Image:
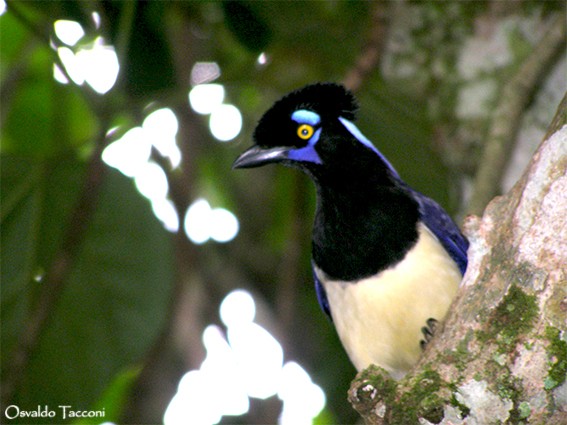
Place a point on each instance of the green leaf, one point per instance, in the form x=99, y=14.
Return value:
x=115, y=300
x=114, y=397
x=44, y=117
x=14, y=38
x=37, y=197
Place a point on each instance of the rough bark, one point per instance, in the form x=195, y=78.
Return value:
x=501, y=356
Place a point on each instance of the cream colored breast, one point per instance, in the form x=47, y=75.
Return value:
x=379, y=319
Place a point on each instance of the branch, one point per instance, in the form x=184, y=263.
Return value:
x=514, y=98
x=13, y=78
x=560, y=118
x=56, y=277
x=45, y=36
x=125, y=25
x=501, y=343
x=369, y=57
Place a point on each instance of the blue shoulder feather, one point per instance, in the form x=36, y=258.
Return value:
x=442, y=226
x=321, y=294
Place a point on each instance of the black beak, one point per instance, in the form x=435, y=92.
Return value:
x=257, y=156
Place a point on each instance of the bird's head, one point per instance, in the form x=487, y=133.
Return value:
x=311, y=129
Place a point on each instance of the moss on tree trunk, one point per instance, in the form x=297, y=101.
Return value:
x=501, y=355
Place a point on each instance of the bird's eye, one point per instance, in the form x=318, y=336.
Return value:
x=305, y=131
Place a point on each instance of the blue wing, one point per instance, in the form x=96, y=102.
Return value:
x=442, y=226
x=321, y=295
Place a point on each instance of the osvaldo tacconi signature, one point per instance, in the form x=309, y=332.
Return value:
x=61, y=412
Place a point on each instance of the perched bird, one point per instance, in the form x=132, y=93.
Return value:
x=387, y=260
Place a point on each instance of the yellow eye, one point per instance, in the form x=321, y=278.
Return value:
x=305, y=131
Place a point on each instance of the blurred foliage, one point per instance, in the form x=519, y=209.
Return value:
x=128, y=277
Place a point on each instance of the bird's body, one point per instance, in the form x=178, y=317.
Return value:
x=386, y=259
x=379, y=318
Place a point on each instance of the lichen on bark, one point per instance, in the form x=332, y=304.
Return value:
x=504, y=342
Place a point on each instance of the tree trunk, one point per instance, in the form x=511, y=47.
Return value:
x=501, y=356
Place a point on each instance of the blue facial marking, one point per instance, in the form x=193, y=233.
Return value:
x=303, y=116
x=307, y=153
x=362, y=139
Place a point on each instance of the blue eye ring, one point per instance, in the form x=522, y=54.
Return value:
x=305, y=131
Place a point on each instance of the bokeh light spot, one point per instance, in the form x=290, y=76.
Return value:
x=225, y=122
x=69, y=32
x=205, y=98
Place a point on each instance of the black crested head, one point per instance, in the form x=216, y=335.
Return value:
x=311, y=129
x=328, y=100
